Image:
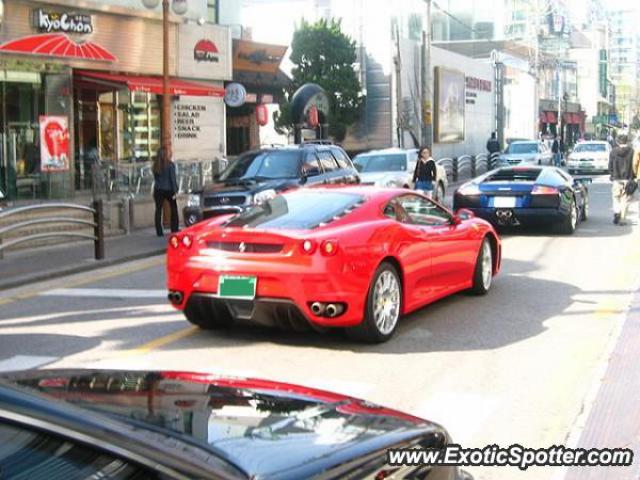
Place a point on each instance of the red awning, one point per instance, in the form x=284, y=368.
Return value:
x=137, y=83
x=57, y=45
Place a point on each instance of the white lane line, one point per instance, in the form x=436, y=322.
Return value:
x=105, y=293
x=24, y=362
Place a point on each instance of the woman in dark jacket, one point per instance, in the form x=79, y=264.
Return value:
x=165, y=188
x=424, y=175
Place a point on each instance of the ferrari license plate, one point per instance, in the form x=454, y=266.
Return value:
x=233, y=286
x=504, y=202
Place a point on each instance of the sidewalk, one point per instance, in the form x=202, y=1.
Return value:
x=28, y=266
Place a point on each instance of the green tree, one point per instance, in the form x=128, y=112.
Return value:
x=324, y=55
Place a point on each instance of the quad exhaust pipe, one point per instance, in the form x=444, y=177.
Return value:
x=175, y=297
x=330, y=310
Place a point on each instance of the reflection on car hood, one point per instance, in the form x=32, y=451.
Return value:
x=519, y=156
x=262, y=427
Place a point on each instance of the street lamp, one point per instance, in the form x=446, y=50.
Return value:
x=179, y=8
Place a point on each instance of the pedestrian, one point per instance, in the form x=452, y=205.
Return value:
x=165, y=188
x=493, y=145
x=555, y=149
x=620, y=171
x=561, y=150
x=424, y=175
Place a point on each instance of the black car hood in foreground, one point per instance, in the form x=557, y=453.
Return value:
x=265, y=429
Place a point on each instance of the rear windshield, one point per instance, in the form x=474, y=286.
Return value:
x=380, y=163
x=523, y=148
x=513, y=174
x=590, y=147
x=297, y=210
x=264, y=165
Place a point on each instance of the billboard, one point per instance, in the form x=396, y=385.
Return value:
x=54, y=144
x=449, y=107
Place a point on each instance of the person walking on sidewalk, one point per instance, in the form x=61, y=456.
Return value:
x=620, y=171
x=165, y=188
x=555, y=149
x=493, y=145
x=424, y=175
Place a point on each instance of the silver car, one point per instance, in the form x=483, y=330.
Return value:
x=528, y=152
x=394, y=167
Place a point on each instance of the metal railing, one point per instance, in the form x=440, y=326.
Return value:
x=136, y=179
x=97, y=223
x=467, y=167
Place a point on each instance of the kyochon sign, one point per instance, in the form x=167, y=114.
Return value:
x=47, y=22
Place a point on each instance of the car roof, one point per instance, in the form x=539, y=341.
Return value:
x=524, y=141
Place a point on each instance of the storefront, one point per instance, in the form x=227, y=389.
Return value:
x=97, y=73
x=258, y=83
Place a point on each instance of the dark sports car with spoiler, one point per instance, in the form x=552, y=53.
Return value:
x=352, y=257
x=528, y=196
x=136, y=425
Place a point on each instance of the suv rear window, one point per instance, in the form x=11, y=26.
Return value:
x=269, y=164
x=514, y=174
x=297, y=210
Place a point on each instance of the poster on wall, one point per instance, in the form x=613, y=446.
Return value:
x=54, y=144
x=449, y=109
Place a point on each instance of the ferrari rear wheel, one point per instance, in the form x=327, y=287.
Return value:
x=483, y=273
x=207, y=316
x=384, y=304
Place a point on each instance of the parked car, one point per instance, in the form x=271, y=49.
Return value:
x=514, y=196
x=80, y=424
x=357, y=257
x=394, y=167
x=259, y=175
x=591, y=157
x=529, y=152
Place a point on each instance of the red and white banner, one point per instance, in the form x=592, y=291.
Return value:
x=54, y=144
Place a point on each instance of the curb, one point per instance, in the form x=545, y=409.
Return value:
x=94, y=265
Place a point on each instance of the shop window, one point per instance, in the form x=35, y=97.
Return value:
x=141, y=121
x=212, y=11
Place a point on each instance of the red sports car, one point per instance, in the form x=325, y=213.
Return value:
x=354, y=257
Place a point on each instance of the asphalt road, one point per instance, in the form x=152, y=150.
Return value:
x=519, y=365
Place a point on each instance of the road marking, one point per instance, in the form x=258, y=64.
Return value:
x=105, y=293
x=160, y=342
x=24, y=362
x=91, y=277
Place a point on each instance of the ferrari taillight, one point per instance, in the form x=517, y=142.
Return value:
x=187, y=241
x=174, y=241
x=329, y=247
x=308, y=247
x=544, y=190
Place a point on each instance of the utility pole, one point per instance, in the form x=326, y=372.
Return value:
x=399, y=110
x=560, y=97
x=427, y=82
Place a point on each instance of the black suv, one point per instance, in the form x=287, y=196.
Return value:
x=259, y=175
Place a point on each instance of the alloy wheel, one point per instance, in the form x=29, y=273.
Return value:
x=487, y=265
x=386, y=302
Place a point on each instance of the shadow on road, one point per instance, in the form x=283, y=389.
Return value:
x=514, y=310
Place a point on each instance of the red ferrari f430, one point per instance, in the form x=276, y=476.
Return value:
x=352, y=257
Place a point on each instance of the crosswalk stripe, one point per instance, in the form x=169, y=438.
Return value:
x=105, y=293
x=24, y=362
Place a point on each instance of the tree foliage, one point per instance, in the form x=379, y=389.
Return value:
x=324, y=55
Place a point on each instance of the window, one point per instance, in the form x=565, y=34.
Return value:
x=212, y=11
x=26, y=453
x=421, y=211
x=311, y=167
x=275, y=164
x=328, y=162
x=302, y=209
x=381, y=163
x=341, y=157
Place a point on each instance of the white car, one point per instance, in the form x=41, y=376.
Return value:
x=526, y=152
x=589, y=157
x=394, y=167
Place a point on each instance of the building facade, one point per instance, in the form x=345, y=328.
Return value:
x=81, y=84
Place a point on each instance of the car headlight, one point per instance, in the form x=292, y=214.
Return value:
x=264, y=196
x=194, y=200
